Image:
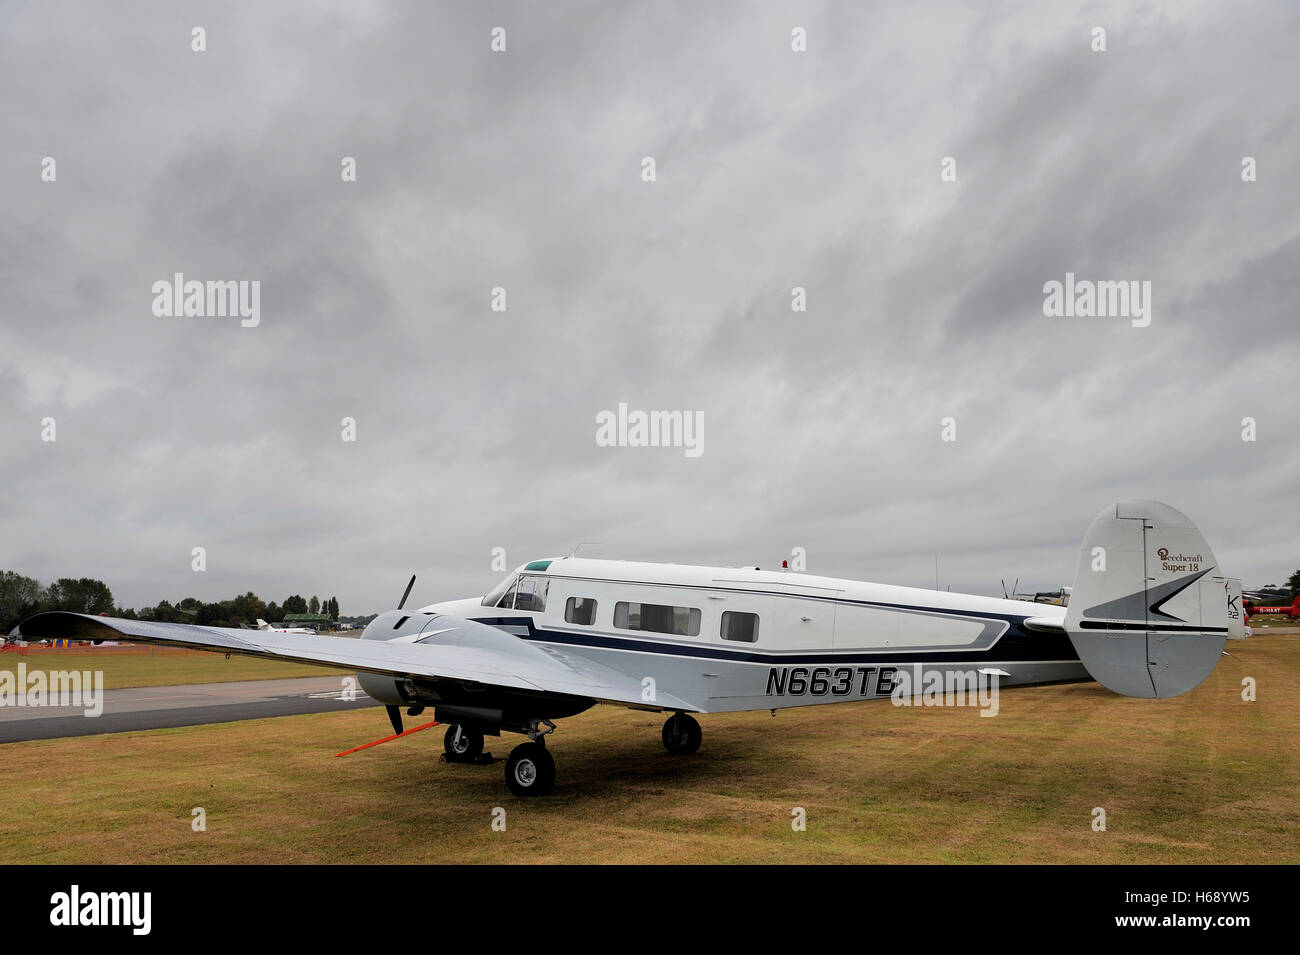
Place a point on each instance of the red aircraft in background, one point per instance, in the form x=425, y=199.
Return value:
x=1252, y=609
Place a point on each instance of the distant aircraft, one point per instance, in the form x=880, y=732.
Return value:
x=1148, y=616
x=1059, y=597
x=1253, y=609
x=266, y=627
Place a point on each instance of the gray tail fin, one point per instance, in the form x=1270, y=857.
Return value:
x=1150, y=609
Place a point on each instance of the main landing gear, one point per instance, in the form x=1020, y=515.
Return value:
x=462, y=745
x=682, y=734
x=530, y=769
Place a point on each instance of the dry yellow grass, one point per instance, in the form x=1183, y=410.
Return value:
x=1202, y=778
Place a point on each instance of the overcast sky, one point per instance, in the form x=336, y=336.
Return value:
x=523, y=169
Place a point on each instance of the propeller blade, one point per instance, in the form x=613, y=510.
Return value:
x=408, y=593
x=395, y=717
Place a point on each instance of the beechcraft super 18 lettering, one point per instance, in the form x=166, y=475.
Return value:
x=1148, y=617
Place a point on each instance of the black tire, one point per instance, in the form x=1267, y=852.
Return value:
x=530, y=770
x=682, y=734
x=469, y=748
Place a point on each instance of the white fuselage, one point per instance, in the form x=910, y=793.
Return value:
x=751, y=639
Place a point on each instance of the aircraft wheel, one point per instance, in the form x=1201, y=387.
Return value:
x=682, y=734
x=530, y=770
x=466, y=749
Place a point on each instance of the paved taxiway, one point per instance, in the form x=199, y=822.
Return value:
x=155, y=707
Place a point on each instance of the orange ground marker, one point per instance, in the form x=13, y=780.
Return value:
x=386, y=739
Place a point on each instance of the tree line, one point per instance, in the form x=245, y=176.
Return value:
x=22, y=596
x=1282, y=593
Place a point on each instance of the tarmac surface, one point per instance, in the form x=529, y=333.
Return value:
x=157, y=707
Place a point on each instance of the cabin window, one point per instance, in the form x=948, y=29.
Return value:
x=657, y=618
x=742, y=627
x=531, y=593
x=581, y=610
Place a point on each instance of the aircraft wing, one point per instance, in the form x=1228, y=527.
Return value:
x=447, y=648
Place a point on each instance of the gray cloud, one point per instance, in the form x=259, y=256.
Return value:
x=521, y=170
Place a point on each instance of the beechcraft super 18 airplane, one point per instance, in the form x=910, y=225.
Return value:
x=1148, y=617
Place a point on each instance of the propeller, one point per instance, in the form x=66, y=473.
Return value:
x=395, y=712
x=395, y=717
x=407, y=594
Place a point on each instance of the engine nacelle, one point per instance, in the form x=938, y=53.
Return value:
x=390, y=626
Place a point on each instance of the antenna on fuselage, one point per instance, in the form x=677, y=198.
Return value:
x=574, y=552
x=402, y=602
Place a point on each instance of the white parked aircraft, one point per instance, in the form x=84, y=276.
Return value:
x=267, y=628
x=1149, y=614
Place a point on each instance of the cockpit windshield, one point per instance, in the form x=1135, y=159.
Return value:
x=493, y=597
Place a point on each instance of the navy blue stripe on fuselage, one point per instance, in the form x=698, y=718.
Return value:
x=1015, y=644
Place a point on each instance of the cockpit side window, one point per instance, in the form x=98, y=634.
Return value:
x=496, y=596
x=531, y=594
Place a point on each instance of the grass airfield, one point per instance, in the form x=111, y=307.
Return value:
x=1202, y=778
